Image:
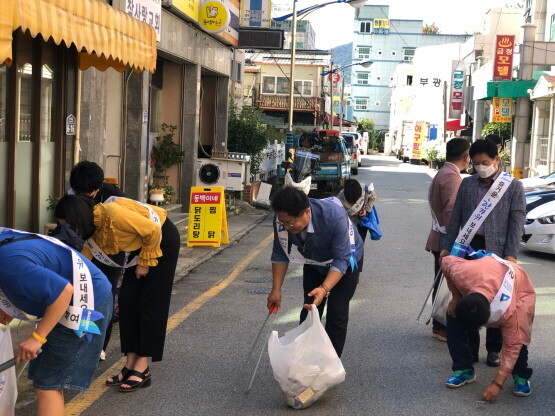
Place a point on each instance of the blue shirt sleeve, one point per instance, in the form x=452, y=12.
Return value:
x=340, y=242
x=31, y=287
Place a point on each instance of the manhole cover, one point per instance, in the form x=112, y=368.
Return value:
x=262, y=290
x=259, y=280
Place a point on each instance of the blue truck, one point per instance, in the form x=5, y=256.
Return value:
x=332, y=166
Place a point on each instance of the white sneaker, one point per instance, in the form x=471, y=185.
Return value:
x=102, y=355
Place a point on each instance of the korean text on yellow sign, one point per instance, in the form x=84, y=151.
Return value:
x=381, y=23
x=207, y=217
x=502, y=109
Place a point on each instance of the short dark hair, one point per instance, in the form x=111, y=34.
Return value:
x=86, y=177
x=494, y=138
x=291, y=201
x=352, y=191
x=483, y=146
x=473, y=311
x=77, y=211
x=456, y=149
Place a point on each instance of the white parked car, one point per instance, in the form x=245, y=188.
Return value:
x=539, y=231
x=538, y=180
x=359, y=139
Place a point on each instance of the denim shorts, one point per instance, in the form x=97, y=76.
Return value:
x=67, y=361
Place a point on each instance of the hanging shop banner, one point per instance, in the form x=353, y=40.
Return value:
x=207, y=217
x=147, y=11
x=334, y=77
x=503, y=63
x=255, y=13
x=188, y=7
x=457, y=87
x=213, y=17
x=419, y=135
x=502, y=110
x=381, y=27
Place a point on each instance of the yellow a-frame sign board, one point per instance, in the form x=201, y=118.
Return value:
x=207, y=217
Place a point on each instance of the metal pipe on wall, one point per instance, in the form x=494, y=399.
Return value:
x=76, y=142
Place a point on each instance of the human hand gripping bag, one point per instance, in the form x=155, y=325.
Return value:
x=304, y=362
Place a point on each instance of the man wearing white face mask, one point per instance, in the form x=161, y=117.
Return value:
x=499, y=229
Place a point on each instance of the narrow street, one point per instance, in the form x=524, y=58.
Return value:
x=394, y=366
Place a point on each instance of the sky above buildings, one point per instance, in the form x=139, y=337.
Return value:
x=333, y=24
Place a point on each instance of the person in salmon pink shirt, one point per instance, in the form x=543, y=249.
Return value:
x=498, y=294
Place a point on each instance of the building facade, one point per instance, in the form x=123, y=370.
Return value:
x=305, y=36
x=267, y=86
x=106, y=102
x=387, y=42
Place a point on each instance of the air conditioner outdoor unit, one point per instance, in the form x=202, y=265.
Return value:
x=231, y=174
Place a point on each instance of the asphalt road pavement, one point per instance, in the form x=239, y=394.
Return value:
x=394, y=366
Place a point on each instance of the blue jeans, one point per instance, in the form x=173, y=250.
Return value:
x=67, y=361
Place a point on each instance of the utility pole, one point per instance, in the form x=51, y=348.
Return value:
x=289, y=139
x=341, y=100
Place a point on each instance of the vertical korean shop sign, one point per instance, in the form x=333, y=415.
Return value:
x=255, y=13
x=502, y=109
x=207, y=217
x=419, y=133
x=503, y=63
x=457, y=87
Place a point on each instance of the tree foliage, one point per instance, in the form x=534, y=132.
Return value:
x=248, y=134
x=165, y=153
x=431, y=29
x=503, y=130
x=366, y=125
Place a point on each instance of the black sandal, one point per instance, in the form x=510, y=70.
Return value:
x=135, y=385
x=125, y=373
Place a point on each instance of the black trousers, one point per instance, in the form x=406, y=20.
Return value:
x=337, y=316
x=458, y=342
x=144, y=303
x=435, y=323
x=363, y=231
x=494, y=340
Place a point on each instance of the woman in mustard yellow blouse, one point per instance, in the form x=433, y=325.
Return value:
x=122, y=224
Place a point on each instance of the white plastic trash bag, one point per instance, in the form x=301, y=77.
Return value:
x=441, y=302
x=303, y=186
x=304, y=361
x=8, y=382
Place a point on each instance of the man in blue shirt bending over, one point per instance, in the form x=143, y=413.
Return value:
x=318, y=234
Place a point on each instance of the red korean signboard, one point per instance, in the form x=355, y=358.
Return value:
x=334, y=77
x=503, y=63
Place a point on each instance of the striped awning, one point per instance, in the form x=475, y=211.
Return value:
x=104, y=36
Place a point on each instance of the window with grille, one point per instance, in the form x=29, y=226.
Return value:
x=361, y=103
x=364, y=53
x=362, y=78
x=408, y=54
